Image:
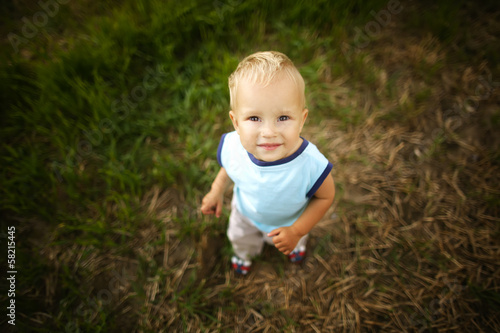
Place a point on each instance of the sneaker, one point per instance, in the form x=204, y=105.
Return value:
x=297, y=255
x=240, y=266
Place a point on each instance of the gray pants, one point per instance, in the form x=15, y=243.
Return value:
x=246, y=239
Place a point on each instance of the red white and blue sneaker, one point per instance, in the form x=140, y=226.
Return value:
x=297, y=255
x=240, y=266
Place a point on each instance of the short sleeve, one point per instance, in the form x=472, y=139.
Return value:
x=219, y=149
x=320, y=180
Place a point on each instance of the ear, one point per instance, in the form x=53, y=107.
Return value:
x=232, y=115
x=305, y=113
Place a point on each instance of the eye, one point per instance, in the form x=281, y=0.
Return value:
x=283, y=118
x=253, y=118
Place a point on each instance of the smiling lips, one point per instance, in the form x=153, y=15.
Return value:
x=269, y=146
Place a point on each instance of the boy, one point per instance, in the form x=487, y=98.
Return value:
x=282, y=183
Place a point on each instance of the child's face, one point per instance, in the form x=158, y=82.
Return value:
x=269, y=119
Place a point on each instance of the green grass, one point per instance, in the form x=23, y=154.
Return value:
x=94, y=126
x=113, y=100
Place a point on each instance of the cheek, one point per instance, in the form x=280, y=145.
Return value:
x=247, y=132
x=289, y=129
x=249, y=128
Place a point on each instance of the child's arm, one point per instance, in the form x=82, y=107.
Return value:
x=286, y=238
x=212, y=202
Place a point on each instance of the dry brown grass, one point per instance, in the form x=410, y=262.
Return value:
x=411, y=244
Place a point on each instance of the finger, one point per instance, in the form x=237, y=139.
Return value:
x=282, y=247
x=273, y=233
x=208, y=210
x=284, y=251
x=218, y=210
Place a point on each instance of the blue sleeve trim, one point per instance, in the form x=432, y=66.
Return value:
x=219, y=149
x=320, y=180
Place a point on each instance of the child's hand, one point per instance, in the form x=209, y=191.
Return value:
x=212, y=204
x=285, y=239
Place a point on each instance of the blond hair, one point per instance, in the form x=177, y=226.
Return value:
x=263, y=68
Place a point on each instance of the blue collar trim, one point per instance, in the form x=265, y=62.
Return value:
x=287, y=159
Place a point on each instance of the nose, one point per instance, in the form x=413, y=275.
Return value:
x=268, y=130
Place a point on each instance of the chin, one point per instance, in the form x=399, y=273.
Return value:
x=270, y=158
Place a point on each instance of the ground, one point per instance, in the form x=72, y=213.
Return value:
x=409, y=119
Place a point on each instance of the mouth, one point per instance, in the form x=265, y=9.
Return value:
x=269, y=146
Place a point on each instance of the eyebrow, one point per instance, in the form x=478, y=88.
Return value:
x=256, y=111
x=247, y=113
